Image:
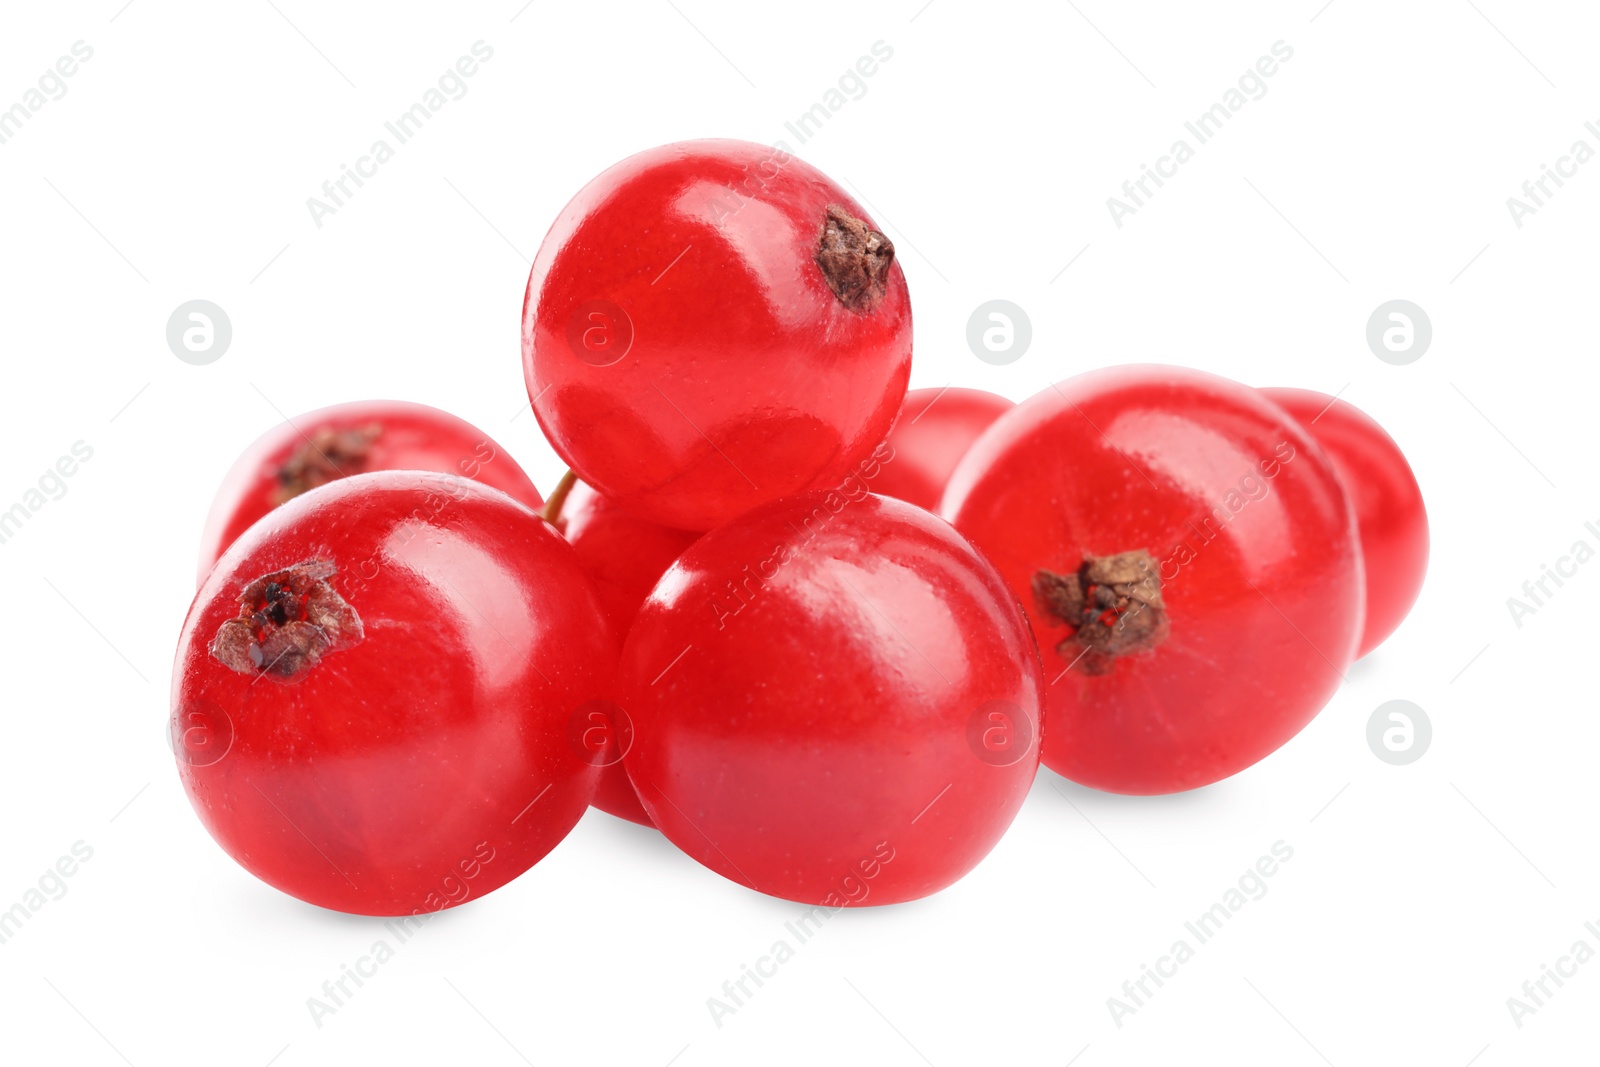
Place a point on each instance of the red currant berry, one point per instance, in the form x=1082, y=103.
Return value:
x=933, y=432
x=374, y=692
x=1386, y=498
x=1191, y=568
x=374, y=435
x=835, y=700
x=710, y=325
x=624, y=556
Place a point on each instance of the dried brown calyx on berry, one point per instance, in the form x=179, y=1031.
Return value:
x=1113, y=605
x=327, y=455
x=855, y=259
x=288, y=621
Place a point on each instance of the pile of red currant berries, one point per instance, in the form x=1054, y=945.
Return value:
x=817, y=631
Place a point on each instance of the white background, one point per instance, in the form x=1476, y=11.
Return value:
x=1377, y=166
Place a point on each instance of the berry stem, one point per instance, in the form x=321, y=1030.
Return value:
x=558, y=499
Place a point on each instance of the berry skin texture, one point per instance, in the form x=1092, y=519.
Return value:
x=1189, y=563
x=372, y=435
x=1387, y=500
x=711, y=325
x=835, y=700
x=933, y=432
x=375, y=683
x=624, y=556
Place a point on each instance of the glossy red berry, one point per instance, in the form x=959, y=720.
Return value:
x=834, y=700
x=1387, y=500
x=375, y=693
x=624, y=556
x=1190, y=566
x=714, y=324
x=933, y=432
x=331, y=443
